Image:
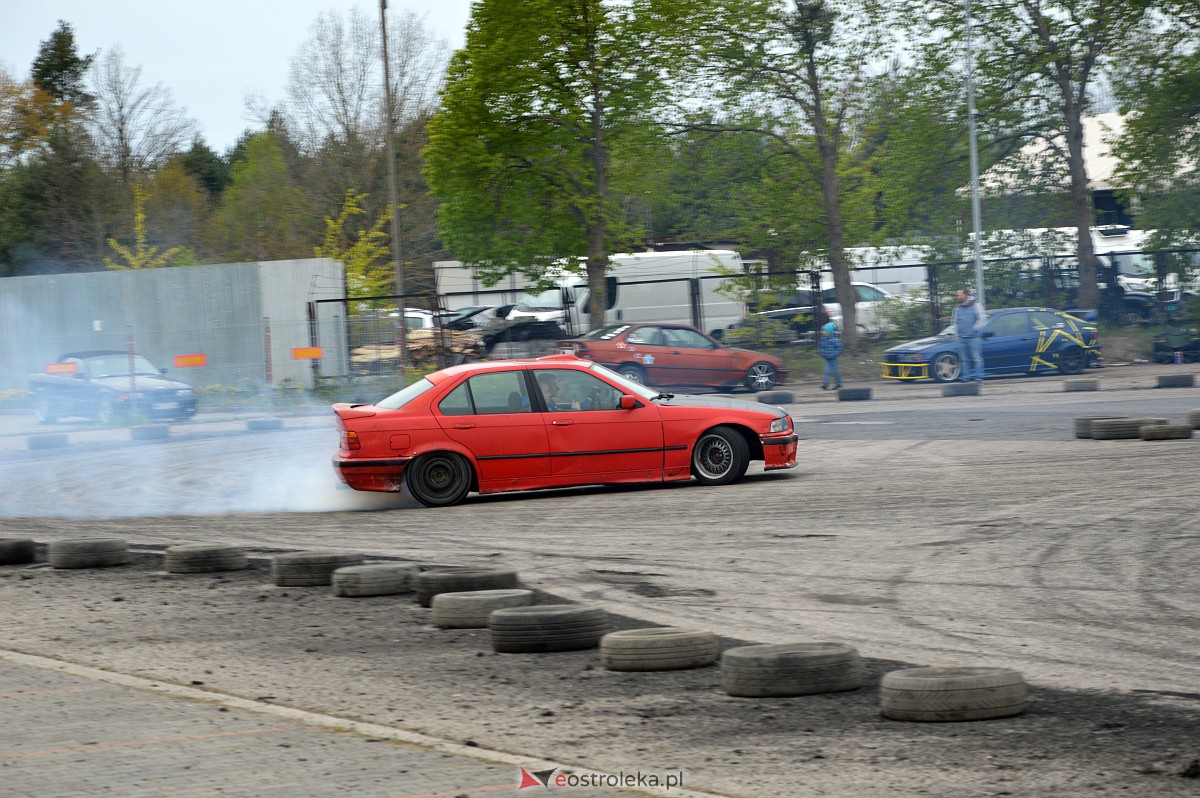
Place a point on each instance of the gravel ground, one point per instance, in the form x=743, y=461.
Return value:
x=379, y=659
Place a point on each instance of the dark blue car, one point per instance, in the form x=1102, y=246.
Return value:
x=1015, y=341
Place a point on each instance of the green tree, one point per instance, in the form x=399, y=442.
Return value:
x=263, y=214
x=60, y=71
x=140, y=255
x=363, y=253
x=1159, y=92
x=1039, y=65
x=800, y=77
x=537, y=106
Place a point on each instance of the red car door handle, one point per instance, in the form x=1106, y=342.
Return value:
x=463, y=425
x=562, y=422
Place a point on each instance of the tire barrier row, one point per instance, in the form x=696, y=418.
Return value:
x=1134, y=427
x=516, y=624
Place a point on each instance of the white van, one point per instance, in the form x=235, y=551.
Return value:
x=645, y=286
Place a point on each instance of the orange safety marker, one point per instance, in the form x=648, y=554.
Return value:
x=306, y=353
x=62, y=368
x=184, y=361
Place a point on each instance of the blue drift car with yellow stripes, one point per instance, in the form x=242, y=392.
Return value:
x=1015, y=341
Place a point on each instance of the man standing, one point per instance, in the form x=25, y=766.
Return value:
x=968, y=320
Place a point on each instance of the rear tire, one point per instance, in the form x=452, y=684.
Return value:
x=1071, y=360
x=720, y=457
x=439, y=479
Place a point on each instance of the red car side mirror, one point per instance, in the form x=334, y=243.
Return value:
x=628, y=402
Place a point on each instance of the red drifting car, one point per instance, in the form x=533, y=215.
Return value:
x=552, y=422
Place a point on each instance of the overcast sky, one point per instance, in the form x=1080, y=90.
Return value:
x=210, y=55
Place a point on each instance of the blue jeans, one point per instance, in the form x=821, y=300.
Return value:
x=972, y=358
x=832, y=375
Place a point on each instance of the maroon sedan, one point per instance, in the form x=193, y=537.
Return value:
x=676, y=354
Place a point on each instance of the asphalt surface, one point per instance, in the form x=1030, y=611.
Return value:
x=918, y=527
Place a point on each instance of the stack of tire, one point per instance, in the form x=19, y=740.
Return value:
x=200, y=558
x=461, y=580
x=952, y=694
x=659, y=648
x=374, y=579
x=788, y=669
x=88, y=553
x=547, y=627
x=471, y=609
x=310, y=568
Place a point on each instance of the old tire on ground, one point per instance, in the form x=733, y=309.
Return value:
x=439, y=479
x=470, y=609
x=87, y=553
x=150, y=432
x=374, y=579
x=776, y=397
x=199, y=558
x=853, y=394
x=1194, y=418
x=952, y=694
x=1165, y=432
x=1083, y=424
x=663, y=648
x=1175, y=381
x=945, y=367
x=1071, y=386
x=720, y=457
x=961, y=389
x=1108, y=429
x=761, y=377
x=17, y=551
x=310, y=568
x=47, y=440
x=547, y=627
x=786, y=669
x=461, y=580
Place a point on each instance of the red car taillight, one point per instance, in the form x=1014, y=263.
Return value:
x=350, y=441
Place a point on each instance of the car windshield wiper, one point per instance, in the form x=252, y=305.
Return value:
x=665, y=395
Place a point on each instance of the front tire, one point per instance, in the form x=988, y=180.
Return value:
x=439, y=479
x=1071, y=360
x=720, y=457
x=946, y=367
x=633, y=373
x=761, y=377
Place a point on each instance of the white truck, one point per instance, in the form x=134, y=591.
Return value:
x=642, y=286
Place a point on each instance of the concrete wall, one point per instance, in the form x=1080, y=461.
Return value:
x=216, y=310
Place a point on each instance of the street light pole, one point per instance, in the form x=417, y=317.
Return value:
x=389, y=112
x=976, y=214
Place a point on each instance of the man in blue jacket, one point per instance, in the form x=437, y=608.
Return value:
x=968, y=321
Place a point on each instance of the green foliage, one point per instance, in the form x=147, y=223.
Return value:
x=363, y=252
x=59, y=70
x=907, y=317
x=141, y=256
x=263, y=214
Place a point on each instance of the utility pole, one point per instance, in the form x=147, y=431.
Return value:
x=390, y=114
x=976, y=214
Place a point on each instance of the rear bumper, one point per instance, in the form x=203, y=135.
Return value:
x=380, y=475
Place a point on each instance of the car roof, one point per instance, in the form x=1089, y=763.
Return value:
x=481, y=366
x=94, y=353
